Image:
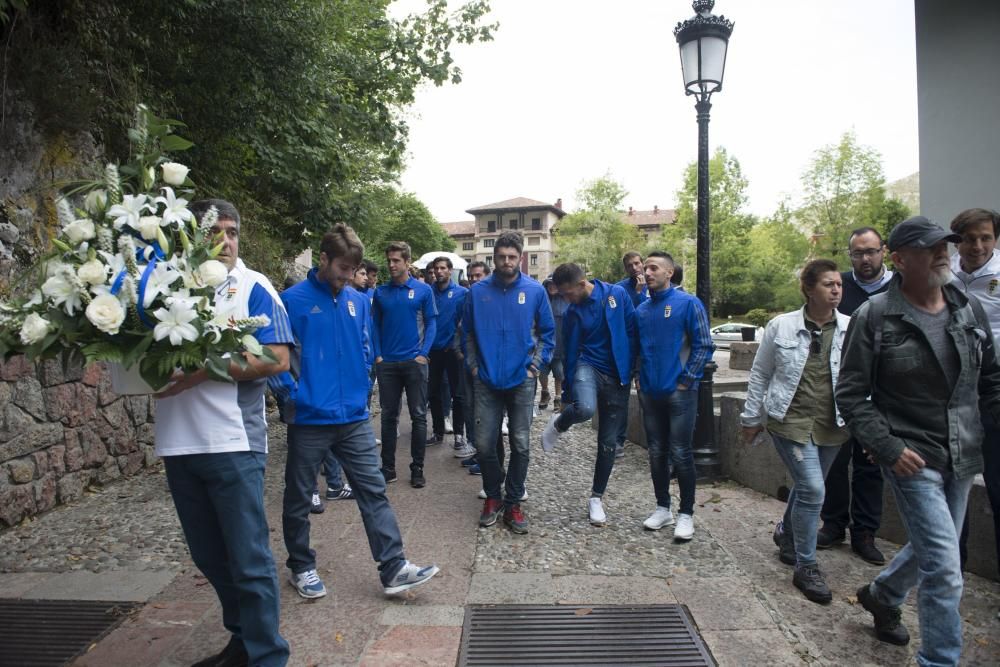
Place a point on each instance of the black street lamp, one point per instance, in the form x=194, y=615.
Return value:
x=703, y=41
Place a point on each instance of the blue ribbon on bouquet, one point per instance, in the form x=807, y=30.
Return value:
x=140, y=255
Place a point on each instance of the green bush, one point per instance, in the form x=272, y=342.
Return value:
x=758, y=317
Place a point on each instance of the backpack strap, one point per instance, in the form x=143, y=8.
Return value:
x=876, y=313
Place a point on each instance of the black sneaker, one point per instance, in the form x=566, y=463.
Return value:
x=888, y=626
x=389, y=474
x=417, y=480
x=435, y=440
x=809, y=580
x=786, y=545
x=863, y=544
x=316, y=505
x=829, y=536
x=234, y=655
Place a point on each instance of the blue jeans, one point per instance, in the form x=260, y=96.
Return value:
x=932, y=506
x=669, y=423
x=354, y=445
x=490, y=405
x=594, y=391
x=220, y=504
x=808, y=465
x=394, y=377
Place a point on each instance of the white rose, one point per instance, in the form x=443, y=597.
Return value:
x=94, y=272
x=148, y=226
x=106, y=313
x=213, y=272
x=96, y=201
x=34, y=329
x=174, y=173
x=79, y=231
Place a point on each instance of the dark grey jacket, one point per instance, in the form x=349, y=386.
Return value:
x=910, y=405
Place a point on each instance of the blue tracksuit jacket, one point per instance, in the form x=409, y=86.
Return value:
x=499, y=326
x=405, y=320
x=450, y=304
x=675, y=342
x=629, y=286
x=619, y=313
x=333, y=354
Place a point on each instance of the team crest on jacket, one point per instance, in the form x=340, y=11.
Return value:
x=350, y=309
x=612, y=302
x=410, y=295
x=520, y=298
x=993, y=286
x=666, y=310
x=451, y=293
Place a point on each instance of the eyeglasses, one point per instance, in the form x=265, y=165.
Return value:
x=816, y=343
x=867, y=253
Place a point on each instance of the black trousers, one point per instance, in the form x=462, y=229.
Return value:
x=853, y=499
x=445, y=362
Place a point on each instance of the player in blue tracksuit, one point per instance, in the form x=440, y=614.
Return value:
x=599, y=341
x=634, y=282
x=675, y=343
x=502, y=313
x=326, y=408
x=446, y=358
x=405, y=319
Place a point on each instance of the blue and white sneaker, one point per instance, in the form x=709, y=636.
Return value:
x=410, y=576
x=308, y=584
x=475, y=469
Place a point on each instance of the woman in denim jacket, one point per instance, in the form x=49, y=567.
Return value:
x=791, y=391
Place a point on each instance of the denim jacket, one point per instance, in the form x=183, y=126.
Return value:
x=777, y=368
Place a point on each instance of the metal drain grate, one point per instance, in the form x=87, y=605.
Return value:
x=581, y=635
x=44, y=633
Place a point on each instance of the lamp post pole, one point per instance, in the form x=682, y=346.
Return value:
x=703, y=42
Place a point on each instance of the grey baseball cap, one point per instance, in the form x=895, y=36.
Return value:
x=919, y=232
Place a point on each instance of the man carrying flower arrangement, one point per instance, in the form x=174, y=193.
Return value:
x=327, y=409
x=213, y=440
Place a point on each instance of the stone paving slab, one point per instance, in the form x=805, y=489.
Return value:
x=112, y=586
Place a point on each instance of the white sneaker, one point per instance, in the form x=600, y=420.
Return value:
x=448, y=427
x=482, y=494
x=524, y=496
x=378, y=442
x=464, y=452
x=684, y=530
x=534, y=411
x=550, y=436
x=658, y=519
x=410, y=576
x=597, y=515
x=503, y=427
x=308, y=584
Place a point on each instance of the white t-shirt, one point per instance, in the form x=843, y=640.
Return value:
x=215, y=417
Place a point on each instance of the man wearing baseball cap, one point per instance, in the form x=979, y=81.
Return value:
x=918, y=362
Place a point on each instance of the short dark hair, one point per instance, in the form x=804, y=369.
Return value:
x=865, y=230
x=567, y=274
x=225, y=210
x=629, y=255
x=483, y=265
x=444, y=259
x=369, y=265
x=678, y=276
x=974, y=216
x=342, y=241
x=662, y=255
x=510, y=240
x=812, y=271
x=400, y=247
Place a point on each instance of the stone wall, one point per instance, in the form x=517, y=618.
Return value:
x=62, y=430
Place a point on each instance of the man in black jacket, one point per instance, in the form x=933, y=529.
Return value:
x=857, y=501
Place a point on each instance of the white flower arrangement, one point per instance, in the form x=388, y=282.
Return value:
x=132, y=275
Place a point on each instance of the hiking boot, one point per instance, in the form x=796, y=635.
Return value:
x=810, y=581
x=596, y=511
x=308, y=584
x=829, y=536
x=514, y=519
x=491, y=512
x=389, y=474
x=435, y=440
x=316, y=505
x=785, y=543
x=888, y=626
x=343, y=493
x=661, y=516
x=234, y=655
x=684, y=530
x=417, y=480
x=863, y=544
x=543, y=401
x=409, y=576
x=550, y=435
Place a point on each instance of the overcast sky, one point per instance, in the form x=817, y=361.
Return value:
x=572, y=89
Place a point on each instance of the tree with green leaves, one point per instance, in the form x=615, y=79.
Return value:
x=729, y=229
x=845, y=190
x=777, y=249
x=597, y=236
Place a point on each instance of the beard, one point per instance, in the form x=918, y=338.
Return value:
x=939, y=278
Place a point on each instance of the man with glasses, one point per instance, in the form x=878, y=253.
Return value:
x=856, y=499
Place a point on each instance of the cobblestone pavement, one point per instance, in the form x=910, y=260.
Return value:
x=738, y=593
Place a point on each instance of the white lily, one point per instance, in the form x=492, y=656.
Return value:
x=175, y=323
x=176, y=208
x=159, y=282
x=62, y=292
x=130, y=210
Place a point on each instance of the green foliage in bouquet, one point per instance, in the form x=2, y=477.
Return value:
x=133, y=274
